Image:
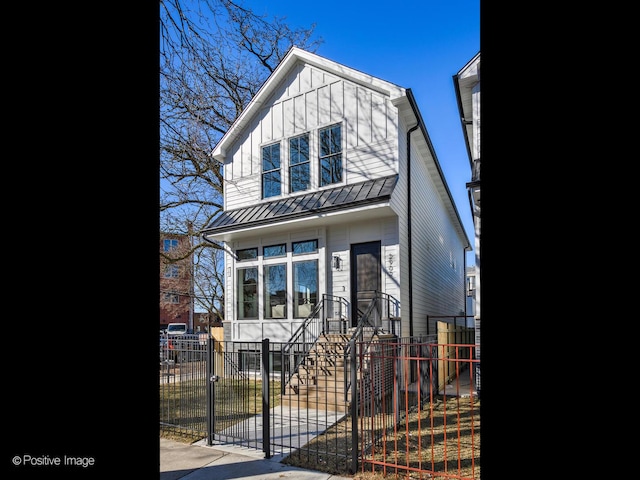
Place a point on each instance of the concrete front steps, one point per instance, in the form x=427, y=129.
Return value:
x=319, y=382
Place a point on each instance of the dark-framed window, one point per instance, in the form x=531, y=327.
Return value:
x=306, y=246
x=275, y=250
x=271, y=174
x=330, y=155
x=248, y=293
x=247, y=254
x=275, y=291
x=299, y=172
x=305, y=287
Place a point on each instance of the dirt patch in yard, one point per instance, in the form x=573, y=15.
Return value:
x=441, y=438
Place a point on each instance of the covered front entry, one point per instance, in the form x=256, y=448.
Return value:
x=366, y=275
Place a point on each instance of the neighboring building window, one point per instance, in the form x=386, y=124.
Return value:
x=171, y=298
x=275, y=291
x=170, y=244
x=308, y=246
x=271, y=175
x=330, y=155
x=275, y=251
x=305, y=287
x=471, y=285
x=248, y=293
x=247, y=254
x=171, y=271
x=299, y=178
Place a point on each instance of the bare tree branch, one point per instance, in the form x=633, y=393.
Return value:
x=215, y=55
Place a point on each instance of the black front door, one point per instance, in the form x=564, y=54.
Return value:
x=365, y=277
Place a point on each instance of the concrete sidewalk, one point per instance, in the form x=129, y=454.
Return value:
x=199, y=461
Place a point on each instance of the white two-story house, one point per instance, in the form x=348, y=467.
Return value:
x=334, y=198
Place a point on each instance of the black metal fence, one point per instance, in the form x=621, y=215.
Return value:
x=183, y=384
x=246, y=395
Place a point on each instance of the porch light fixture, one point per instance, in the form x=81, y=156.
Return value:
x=335, y=262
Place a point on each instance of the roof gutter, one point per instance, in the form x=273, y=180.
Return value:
x=463, y=121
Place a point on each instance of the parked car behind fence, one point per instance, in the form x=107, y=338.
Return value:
x=180, y=348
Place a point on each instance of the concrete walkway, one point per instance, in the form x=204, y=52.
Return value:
x=291, y=428
x=223, y=462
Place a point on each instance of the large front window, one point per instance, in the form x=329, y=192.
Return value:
x=277, y=281
x=330, y=155
x=275, y=291
x=248, y=292
x=305, y=286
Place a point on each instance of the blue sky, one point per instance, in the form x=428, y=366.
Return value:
x=416, y=44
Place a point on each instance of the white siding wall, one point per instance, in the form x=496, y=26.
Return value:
x=339, y=240
x=338, y=244
x=399, y=205
x=374, y=137
x=307, y=100
x=437, y=252
x=391, y=259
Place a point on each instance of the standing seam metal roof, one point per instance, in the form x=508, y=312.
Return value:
x=338, y=198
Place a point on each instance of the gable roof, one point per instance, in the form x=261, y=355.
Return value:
x=307, y=205
x=399, y=96
x=294, y=55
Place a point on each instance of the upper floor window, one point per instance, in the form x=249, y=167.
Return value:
x=330, y=155
x=299, y=177
x=171, y=298
x=271, y=175
x=170, y=244
x=471, y=285
x=171, y=271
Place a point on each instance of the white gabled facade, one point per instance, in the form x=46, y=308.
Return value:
x=322, y=186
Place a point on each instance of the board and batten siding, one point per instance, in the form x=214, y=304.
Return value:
x=307, y=100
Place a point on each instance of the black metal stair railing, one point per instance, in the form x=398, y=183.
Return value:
x=330, y=315
x=383, y=311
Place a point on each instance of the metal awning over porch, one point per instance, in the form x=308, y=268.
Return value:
x=311, y=204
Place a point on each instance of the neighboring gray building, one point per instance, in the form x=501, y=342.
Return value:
x=467, y=86
x=332, y=186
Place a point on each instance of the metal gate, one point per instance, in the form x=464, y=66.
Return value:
x=239, y=393
x=250, y=405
